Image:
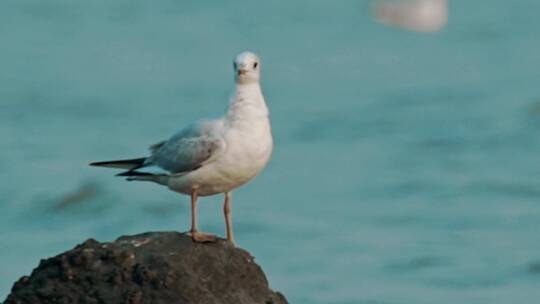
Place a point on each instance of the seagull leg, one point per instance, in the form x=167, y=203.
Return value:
x=195, y=234
x=228, y=216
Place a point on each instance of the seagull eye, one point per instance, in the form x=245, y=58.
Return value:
x=255, y=65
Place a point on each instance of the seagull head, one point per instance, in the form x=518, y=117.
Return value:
x=247, y=67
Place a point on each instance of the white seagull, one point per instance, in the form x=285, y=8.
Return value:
x=212, y=156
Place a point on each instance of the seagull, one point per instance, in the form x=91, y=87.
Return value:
x=212, y=156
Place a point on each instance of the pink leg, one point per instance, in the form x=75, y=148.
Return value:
x=228, y=217
x=197, y=236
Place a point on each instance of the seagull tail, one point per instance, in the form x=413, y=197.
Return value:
x=127, y=164
x=130, y=173
x=144, y=176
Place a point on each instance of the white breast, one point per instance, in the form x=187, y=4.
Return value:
x=248, y=150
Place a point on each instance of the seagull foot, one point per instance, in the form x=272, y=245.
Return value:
x=201, y=237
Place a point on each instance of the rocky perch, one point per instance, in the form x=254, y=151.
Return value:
x=154, y=267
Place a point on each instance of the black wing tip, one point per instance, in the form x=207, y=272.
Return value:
x=136, y=162
x=133, y=173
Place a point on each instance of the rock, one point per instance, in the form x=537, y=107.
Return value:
x=154, y=267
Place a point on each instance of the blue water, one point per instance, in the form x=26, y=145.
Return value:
x=405, y=170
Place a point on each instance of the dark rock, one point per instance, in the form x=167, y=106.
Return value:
x=155, y=267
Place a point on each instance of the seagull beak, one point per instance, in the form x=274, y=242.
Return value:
x=242, y=72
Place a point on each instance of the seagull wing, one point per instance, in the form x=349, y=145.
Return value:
x=187, y=150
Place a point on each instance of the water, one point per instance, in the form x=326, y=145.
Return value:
x=405, y=167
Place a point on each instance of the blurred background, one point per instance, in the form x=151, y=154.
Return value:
x=406, y=156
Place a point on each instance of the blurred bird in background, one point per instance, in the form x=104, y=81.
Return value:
x=412, y=15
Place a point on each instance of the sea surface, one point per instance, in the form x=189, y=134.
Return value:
x=406, y=166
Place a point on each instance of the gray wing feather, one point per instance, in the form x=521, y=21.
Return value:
x=157, y=146
x=186, y=151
